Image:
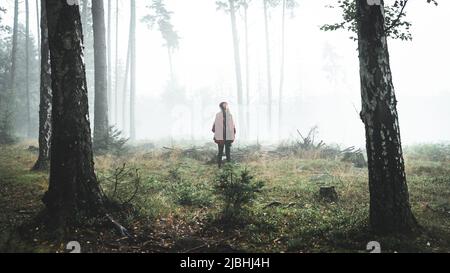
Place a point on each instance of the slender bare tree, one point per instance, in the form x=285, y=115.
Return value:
x=282, y=67
x=116, y=68
x=133, y=71
x=38, y=28
x=101, y=125
x=109, y=71
x=27, y=66
x=245, y=5
x=232, y=7
x=269, y=66
x=12, y=79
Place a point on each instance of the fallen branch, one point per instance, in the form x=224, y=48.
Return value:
x=123, y=231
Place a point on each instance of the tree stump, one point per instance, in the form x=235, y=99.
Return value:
x=328, y=194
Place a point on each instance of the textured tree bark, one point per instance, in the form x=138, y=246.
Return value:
x=390, y=210
x=101, y=126
x=237, y=63
x=73, y=191
x=45, y=106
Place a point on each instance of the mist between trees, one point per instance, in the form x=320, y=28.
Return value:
x=320, y=84
x=142, y=71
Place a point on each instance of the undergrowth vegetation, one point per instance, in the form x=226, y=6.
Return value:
x=266, y=202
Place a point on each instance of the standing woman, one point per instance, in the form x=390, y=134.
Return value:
x=224, y=132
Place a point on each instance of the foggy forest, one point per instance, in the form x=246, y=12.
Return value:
x=224, y=126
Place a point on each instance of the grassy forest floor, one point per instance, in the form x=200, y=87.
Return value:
x=169, y=203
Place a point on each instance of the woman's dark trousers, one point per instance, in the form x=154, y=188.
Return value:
x=227, y=147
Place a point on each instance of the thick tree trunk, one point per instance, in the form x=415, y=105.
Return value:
x=73, y=191
x=390, y=210
x=283, y=57
x=101, y=127
x=133, y=71
x=45, y=106
x=27, y=66
x=237, y=62
x=269, y=69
